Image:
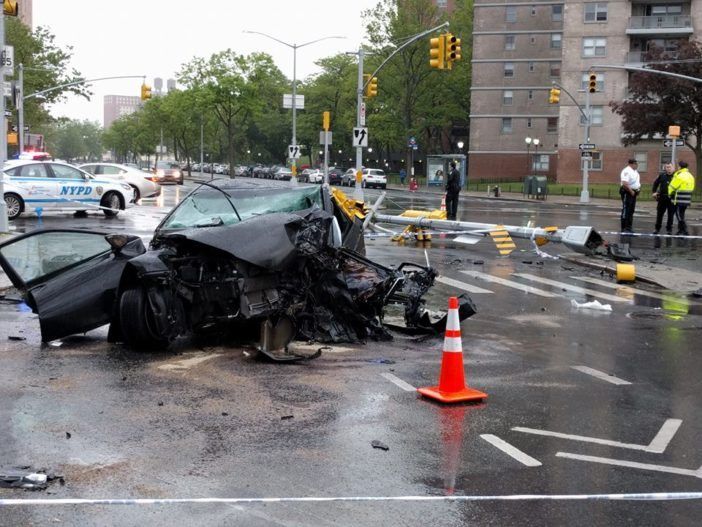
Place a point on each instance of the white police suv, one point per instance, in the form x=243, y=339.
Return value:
x=49, y=185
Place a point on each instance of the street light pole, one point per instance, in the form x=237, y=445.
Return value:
x=527, y=140
x=20, y=107
x=536, y=154
x=294, y=47
x=4, y=224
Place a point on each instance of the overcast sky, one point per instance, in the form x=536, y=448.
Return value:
x=155, y=37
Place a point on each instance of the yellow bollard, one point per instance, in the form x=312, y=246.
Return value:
x=626, y=273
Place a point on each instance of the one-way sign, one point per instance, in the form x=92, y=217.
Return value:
x=360, y=137
x=587, y=146
x=669, y=142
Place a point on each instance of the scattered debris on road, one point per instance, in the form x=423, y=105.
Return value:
x=595, y=305
x=26, y=478
x=379, y=445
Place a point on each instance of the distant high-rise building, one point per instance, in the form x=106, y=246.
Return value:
x=448, y=5
x=115, y=106
x=25, y=12
x=171, y=83
x=158, y=85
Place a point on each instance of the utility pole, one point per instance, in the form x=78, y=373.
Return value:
x=4, y=225
x=202, y=144
x=20, y=107
x=585, y=193
x=358, y=189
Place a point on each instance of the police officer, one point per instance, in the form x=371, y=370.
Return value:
x=453, y=187
x=680, y=191
x=660, y=193
x=629, y=190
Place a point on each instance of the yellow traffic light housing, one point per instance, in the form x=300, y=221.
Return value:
x=371, y=85
x=592, y=83
x=145, y=92
x=554, y=96
x=10, y=7
x=326, y=118
x=452, y=49
x=437, y=52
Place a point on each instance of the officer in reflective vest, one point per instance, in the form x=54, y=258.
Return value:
x=680, y=191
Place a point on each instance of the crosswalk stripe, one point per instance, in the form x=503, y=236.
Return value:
x=631, y=290
x=573, y=288
x=509, y=283
x=461, y=285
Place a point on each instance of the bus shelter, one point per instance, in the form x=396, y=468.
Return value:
x=438, y=169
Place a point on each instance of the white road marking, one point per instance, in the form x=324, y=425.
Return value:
x=399, y=382
x=573, y=288
x=601, y=375
x=509, y=283
x=633, y=464
x=511, y=451
x=186, y=364
x=461, y=285
x=630, y=290
x=657, y=445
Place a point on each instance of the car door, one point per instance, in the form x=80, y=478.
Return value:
x=41, y=190
x=75, y=187
x=68, y=277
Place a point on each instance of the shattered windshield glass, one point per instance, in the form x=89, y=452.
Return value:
x=207, y=207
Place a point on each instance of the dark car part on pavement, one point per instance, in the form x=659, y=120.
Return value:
x=284, y=262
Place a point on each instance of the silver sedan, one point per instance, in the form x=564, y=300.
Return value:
x=135, y=178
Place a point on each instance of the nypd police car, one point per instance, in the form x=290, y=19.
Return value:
x=48, y=186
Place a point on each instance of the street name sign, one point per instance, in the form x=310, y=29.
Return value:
x=587, y=146
x=299, y=101
x=669, y=142
x=294, y=151
x=360, y=137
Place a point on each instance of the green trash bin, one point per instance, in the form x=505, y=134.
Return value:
x=540, y=187
x=528, y=189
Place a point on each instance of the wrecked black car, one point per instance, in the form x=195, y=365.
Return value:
x=235, y=255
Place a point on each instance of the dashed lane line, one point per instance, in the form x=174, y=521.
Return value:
x=399, y=382
x=511, y=451
x=601, y=375
x=510, y=283
x=462, y=285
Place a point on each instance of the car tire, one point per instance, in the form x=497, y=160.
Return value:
x=137, y=321
x=14, y=204
x=137, y=194
x=180, y=182
x=384, y=186
x=111, y=200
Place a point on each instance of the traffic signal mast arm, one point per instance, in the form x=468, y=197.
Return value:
x=403, y=46
x=84, y=81
x=571, y=98
x=646, y=70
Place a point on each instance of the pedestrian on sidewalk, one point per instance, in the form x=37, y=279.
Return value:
x=453, y=187
x=629, y=190
x=403, y=175
x=665, y=204
x=680, y=191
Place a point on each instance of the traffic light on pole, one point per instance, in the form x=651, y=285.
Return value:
x=145, y=92
x=10, y=7
x=372, y=88
x=554, y=96
x=452, y=49
x=326, y=117
x=437, y=52
x=592, y=83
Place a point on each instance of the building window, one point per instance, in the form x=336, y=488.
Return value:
x=509, y=69
x=528, y=122
x=507, y=97
x=510, y=13
x=595, y=161
x=510, y=42
x=666, y=157
x=442, y=4
x=532, y=39
x=596, y=114
x=642, y=160
x=595, y=12
x=506, y=125
x=530, y=95
x=552, y=125
x=557, y=13
x=531, y=67
x=533, y=10
x=555, y=69
x=594, y=47
x=585, y=81
x=556, y=39
x=541, y=163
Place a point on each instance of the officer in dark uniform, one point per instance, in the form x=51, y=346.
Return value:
x=453, y=187
x=665, y=204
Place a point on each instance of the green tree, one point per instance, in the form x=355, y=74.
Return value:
x=657, y=101
x=74, y=140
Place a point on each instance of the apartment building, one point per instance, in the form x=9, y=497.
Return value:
x=521, y=48
x=115, y=106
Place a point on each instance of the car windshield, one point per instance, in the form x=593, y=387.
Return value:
x=207, y=207
x=166, y=165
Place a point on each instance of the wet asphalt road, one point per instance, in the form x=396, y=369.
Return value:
x=209, y=421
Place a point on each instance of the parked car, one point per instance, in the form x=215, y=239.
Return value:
x=283, y=174
x=348, y=179
x=48, y=185
x=234, y=254
x=312, y=175
x=143, y=188
x=335, y=175
x=167, y=172
x=374, y=178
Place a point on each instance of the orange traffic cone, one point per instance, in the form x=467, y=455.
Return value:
x=443, y=203
x=452, y=384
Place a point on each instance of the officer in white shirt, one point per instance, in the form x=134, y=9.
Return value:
x=631, y=186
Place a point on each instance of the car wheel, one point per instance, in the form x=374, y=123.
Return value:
x=180, y=182
x=14, y=205
x=137, y=321
x=111, y=200
x=384, y=186
x=137, y=194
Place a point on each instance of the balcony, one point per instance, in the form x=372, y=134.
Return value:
x=641, y=57
x=660, y=25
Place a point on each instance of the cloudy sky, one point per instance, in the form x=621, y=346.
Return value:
x=155, y=37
